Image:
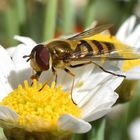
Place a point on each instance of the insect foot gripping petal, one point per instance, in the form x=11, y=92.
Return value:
x=99, y=66
x=115, y=74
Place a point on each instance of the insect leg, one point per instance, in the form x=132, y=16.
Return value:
x=55, y=73
x=115, y=74
x=82, y=64
x=36, y=76
x=73, y=75
x=79, y=65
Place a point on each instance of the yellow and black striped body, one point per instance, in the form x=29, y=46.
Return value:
x=63, y=52
x=93, y=48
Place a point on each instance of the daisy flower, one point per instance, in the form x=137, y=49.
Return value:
x=129, y=33
x=49, y=113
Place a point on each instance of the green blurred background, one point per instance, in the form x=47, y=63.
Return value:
x=45, y=19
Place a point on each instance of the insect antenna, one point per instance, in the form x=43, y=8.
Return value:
x=27, y=56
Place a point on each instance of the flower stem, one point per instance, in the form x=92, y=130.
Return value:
x=20, y=10
x=14, y=17
x=89, y=12
x=12, y=27
x=50, y=19
x=68, y=16
x=97, y=133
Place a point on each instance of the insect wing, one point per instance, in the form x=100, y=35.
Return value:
x=117, y=52
x=90, y=32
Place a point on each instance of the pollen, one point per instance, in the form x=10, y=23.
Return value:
x=129, y=64
x=41, y=105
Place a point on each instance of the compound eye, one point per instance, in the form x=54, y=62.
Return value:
x=36, y=49
x=42, y=56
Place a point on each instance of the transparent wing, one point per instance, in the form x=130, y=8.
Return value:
x=90, y=32
x=103, y=57
x=118, y=52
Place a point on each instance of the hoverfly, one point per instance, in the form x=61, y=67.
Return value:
x=60, y=53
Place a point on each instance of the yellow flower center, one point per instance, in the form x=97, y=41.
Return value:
x=40, y=107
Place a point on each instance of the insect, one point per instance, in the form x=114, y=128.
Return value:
x=61, y=53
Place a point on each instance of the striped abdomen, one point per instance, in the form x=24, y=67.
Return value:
x=93, y=47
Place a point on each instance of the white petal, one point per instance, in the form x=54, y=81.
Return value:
x=25, y=40
x=6, y=84
x=73, y=124
x=7, y=70
x=103, y=98
x=137, y=45
x=7, y=114
x=100, y=111
x=91, y=83
x=5, y=88
x=133, y=38
x=126, y=28
x=84, y=73
x=114, y=82
x=8, y=118
x=6, y=64
x=10, y=51
x=133, y=73
x=97, y=114
x=102, y=80
x=23, y=69
x=19, y=62
x=66, y=79
x=85, y=96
